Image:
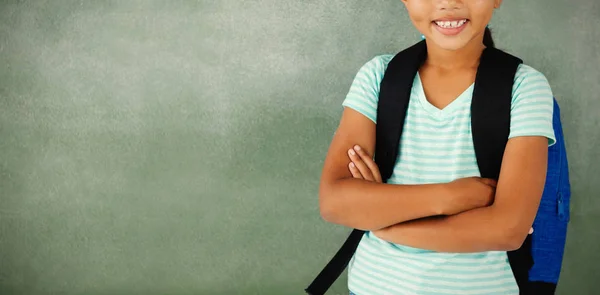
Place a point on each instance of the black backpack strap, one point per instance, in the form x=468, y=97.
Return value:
x=336, y=266
x=490, y=124
x=393, y=101
x=490, y=109
x=394, y=95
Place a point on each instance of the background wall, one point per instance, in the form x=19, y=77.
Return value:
x=174, y=147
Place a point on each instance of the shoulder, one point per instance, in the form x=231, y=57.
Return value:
x=376, y=66
x=532, y=104
x=529, y=80
x=363, y=95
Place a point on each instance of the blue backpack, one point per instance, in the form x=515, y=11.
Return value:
x=537, y=264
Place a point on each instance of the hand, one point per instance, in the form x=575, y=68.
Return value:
x=470, y=193
x=362, y=165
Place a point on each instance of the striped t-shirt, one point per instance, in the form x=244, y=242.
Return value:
x=436, y=147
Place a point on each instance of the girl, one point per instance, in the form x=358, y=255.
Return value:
x=436, y=227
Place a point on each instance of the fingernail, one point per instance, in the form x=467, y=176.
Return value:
x=351, y=165
x=356, y=147
x=351, y=151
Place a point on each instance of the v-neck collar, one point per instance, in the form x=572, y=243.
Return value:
x=447, y=111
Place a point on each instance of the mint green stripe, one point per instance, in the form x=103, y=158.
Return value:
x=363, y=83
x=418, y=180
x=540, y=88
x=430, y=165
x=428, y=284
x=416, y=271
x=357, y=100
x=459, y=158
x=430, y=174
x=438, y=125
x=525, y=125
x=361, y=109
x=439, y=148
x=438, y=132
x=531, y=96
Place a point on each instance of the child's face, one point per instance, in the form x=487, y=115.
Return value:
x=451, y=24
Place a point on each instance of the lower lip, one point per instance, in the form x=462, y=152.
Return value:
x=450, y=31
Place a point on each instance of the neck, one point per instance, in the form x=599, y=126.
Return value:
x=466, y=57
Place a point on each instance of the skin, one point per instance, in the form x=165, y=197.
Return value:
x=369, y=205
x=466, y=215
x=363, y=167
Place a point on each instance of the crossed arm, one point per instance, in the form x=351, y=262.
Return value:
x=422, y=219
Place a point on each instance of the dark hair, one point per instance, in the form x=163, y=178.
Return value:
x=488, y=41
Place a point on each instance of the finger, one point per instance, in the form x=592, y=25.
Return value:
x=360, y=165
x=531, y=230
x=377, y=176
x=354, y=171
x=369, y=162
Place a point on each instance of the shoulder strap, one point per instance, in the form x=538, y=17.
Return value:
x=490, y=125
x=490, y=109
x=336, y=265
x=394, y=95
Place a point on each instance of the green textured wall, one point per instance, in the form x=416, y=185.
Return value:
x=174, y=147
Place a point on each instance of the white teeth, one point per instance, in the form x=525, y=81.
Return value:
x=451, y=24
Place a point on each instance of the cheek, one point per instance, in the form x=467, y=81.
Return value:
x=420, y=13
x=481, y=10
x=488, y=4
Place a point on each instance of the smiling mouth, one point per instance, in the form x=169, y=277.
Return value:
x=451, y=24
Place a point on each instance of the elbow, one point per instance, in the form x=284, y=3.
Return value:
x=327, y=212
x=327, y=206
x=512, y=238
x=510, y=230
x=513, y=243
x=331, y=212
x=334, y=209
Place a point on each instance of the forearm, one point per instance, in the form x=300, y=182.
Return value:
x=368, y=205
x=478, y=230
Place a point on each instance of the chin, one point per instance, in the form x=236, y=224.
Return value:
x=451, y=45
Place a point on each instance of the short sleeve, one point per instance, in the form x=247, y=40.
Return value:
x=532, y=105
x=364, y=91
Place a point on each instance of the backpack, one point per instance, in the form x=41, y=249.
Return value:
x=537, y=264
